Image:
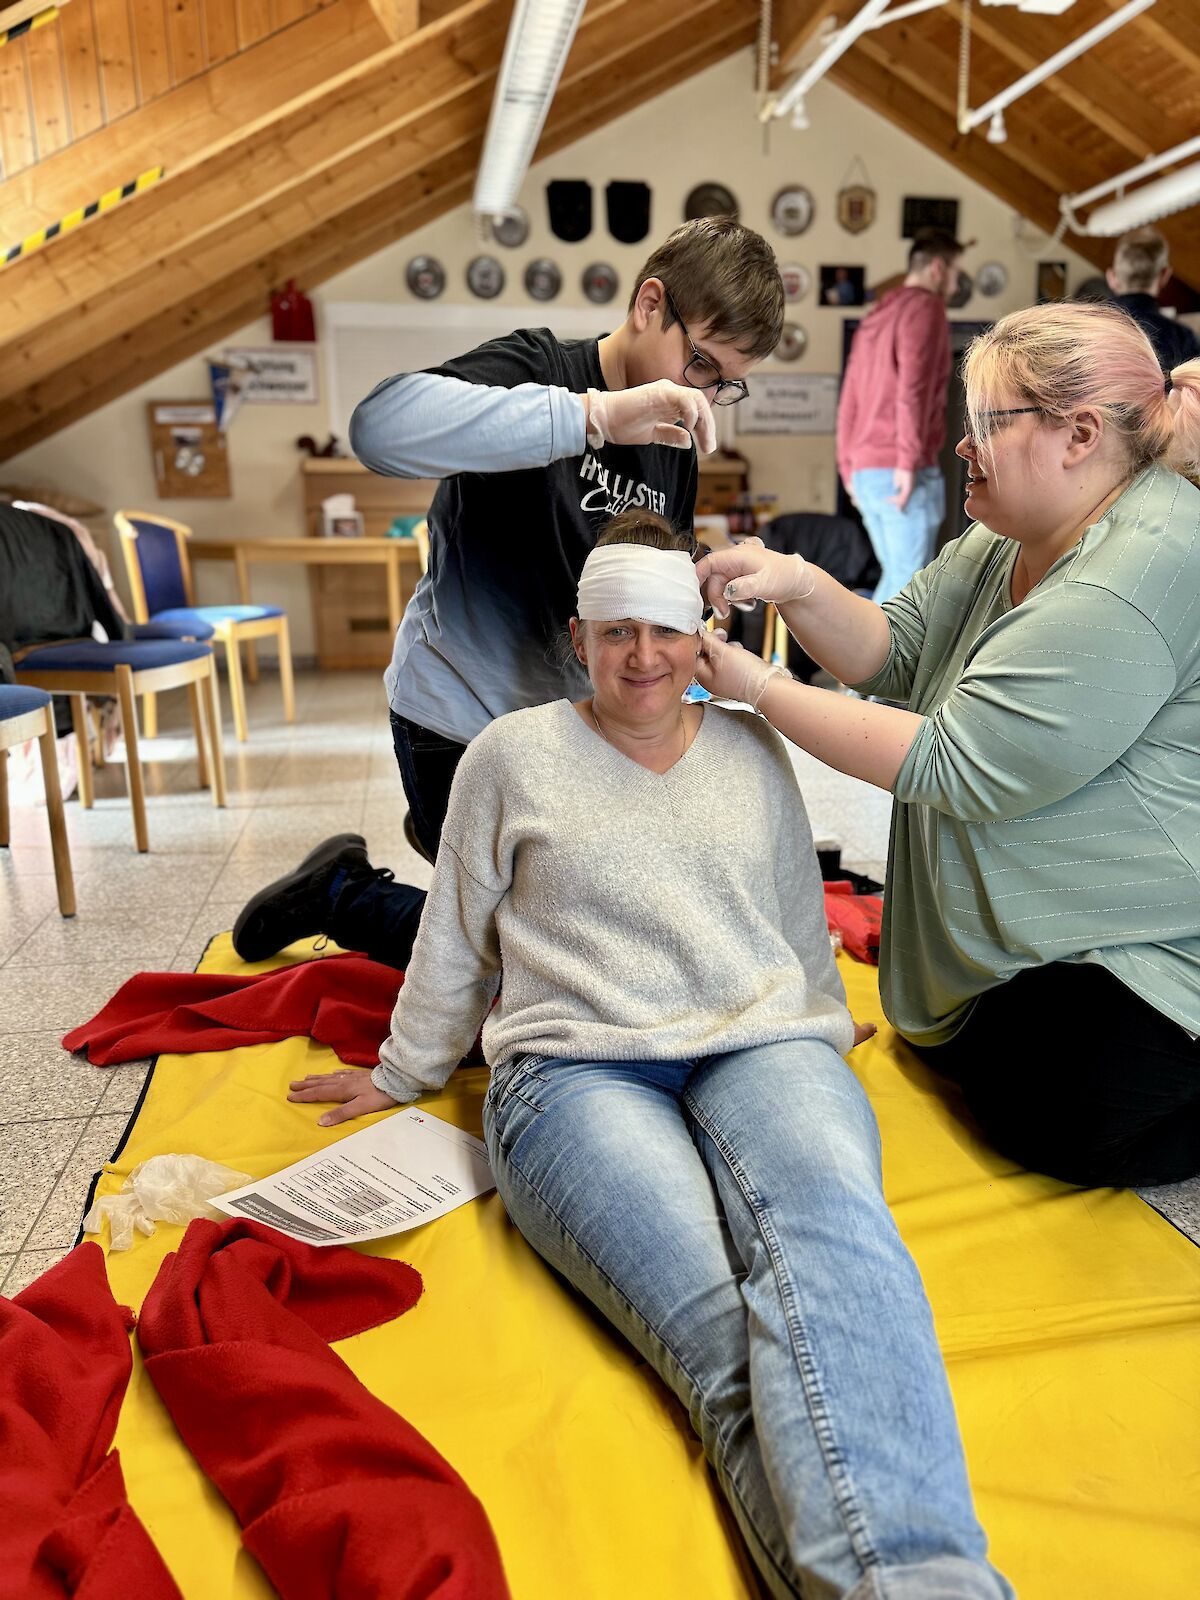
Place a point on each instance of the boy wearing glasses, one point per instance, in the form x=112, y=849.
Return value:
x=538, y=442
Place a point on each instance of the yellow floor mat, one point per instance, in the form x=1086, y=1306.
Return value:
x=1070, y=1323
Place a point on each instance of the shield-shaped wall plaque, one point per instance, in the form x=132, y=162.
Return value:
x=856, y=205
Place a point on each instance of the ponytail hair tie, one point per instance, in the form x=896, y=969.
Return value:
x=1167, y=384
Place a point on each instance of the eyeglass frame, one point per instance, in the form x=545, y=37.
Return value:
x=1011, y=411
x=698, y=355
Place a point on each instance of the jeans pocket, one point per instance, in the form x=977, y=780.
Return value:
x=519, y=1077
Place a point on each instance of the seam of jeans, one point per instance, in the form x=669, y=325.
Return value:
x=776, y=1561
x=835, y=1463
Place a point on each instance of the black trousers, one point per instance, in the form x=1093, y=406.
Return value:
x=427, y=765
x=1070, y=1073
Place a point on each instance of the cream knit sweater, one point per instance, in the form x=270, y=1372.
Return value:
x=638, y=916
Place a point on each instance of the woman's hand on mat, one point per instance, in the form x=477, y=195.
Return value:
x=862, y=1032
x=748, y=571
x=352, y=1086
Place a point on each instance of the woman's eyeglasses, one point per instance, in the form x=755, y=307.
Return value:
x=701, y=373
x=986, y=419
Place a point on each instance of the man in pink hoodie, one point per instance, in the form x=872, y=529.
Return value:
x=892, y=413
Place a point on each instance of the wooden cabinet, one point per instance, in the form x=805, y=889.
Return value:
x=722, y=479
x=350, y=604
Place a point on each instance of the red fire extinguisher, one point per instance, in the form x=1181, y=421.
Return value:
x=292, y=315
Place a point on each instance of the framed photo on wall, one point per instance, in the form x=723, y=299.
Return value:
x=843, y=286
x=1051, y=281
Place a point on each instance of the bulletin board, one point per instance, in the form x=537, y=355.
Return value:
x=188, y=450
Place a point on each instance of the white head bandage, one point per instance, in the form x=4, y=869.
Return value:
x=634, y=581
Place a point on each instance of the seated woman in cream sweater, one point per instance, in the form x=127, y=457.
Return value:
x=669, y=1119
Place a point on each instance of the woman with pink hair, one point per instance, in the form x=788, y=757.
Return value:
x=1041, y=934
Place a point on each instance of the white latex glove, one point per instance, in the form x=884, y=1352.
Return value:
x=731, y=673
x=748, y=571
x=654, y=413
x=168, y=1188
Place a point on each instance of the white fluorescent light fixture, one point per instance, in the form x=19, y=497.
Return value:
x=1176, y=192
x=539, y=40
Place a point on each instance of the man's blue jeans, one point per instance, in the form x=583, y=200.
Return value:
x=727, y=1216
x=903, y=540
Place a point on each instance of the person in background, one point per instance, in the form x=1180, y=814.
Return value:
x=669, y=1119
x=1041, y=930
x=891, y=422
x=1137, y=278
x=537, y=442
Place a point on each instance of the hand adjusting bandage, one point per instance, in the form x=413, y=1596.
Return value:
x=634, y=581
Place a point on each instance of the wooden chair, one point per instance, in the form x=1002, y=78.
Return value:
x=160, y=578
x=29, y=714
x=421, y=535
x=126, y=669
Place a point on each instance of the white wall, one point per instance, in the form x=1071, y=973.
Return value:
x=705, y=129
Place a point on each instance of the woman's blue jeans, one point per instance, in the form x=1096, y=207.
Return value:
x=727, y=1216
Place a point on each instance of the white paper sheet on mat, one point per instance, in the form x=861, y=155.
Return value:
x=404, y=1171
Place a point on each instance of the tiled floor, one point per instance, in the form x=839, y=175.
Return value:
x=289, y=787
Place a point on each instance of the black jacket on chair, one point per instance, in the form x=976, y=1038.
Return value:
x=49, y=590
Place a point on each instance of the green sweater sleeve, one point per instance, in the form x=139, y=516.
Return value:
x=907, y=614
x=1055, y=693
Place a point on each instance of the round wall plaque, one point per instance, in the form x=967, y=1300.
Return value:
x=793, y=344
x=792, y=210
x=485, y=277
x=710, y=200
x=797, y=281
x=425, y=277
x=543, y=280
x=599, y=282
x=512, y=230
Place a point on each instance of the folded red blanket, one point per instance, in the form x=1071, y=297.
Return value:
x=65, y=1360
x=857, y=917
x=336, y=1494
x=343, y=1001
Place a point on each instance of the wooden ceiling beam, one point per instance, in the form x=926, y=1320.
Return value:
x=184, y=126
x=1089, y=88
x=1173, y=29
x=932, y=73
x=794, y=23
x=398, y=18
x=991, y=166
x=458, y=60
x=343, y=237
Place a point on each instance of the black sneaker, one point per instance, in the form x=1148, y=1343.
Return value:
x=297, y=906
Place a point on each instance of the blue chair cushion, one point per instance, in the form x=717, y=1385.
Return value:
x=212, y=616
x=16, y=699
x=158, y=629
x=87, y=655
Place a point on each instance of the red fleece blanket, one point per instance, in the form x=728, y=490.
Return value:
x=335, y=1493
x=344, y=1002
x=67, y=1527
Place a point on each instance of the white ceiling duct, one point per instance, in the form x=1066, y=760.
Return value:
x=539, y=40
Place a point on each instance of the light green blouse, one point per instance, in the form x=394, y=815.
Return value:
x=1049, y=808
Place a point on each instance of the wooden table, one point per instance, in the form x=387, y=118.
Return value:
x=400, y=559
